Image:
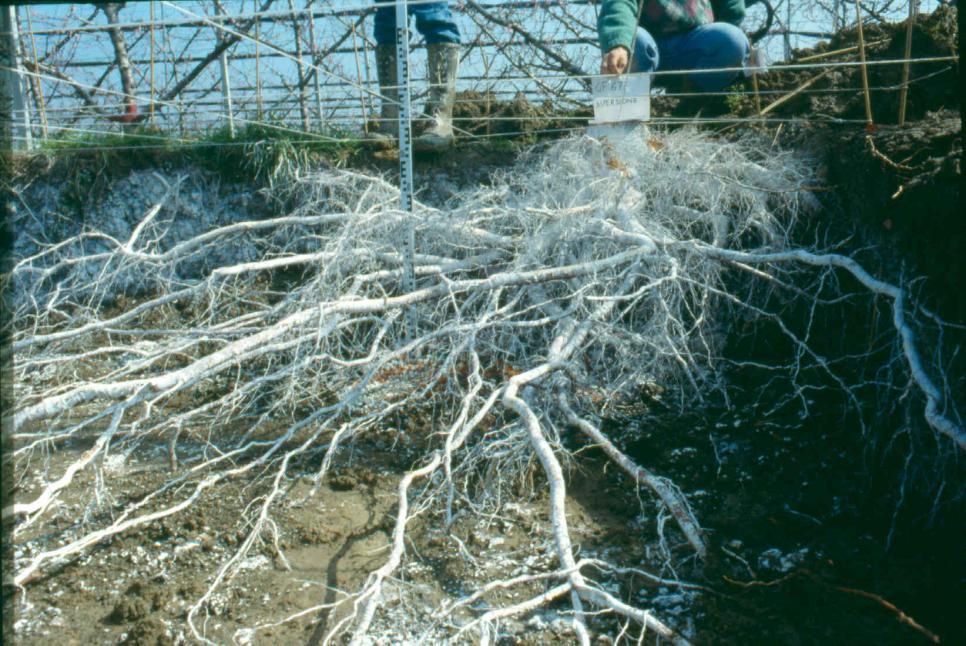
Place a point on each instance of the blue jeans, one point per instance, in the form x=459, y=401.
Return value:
x=719, y=44
x=434, y=21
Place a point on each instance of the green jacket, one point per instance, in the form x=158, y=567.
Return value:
x=616, y=23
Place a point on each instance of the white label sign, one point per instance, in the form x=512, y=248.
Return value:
x=757, y=62
x=622, y=98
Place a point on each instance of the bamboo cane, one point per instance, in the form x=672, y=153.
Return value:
x=836, y=52
x=865, y=70
x=904, y=92
x=801, y=88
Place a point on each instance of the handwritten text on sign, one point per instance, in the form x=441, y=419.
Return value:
x=622, y=98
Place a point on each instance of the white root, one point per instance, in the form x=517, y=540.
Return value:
x=542, y=301
x=932, y=413
x=662, y=488
x=38, y=505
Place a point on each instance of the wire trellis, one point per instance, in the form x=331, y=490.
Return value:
x=307, y=68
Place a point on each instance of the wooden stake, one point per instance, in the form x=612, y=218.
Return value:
x=904, y=92
x=486, y=97
x=755, y=63
x=865, y=70
x=754, y=85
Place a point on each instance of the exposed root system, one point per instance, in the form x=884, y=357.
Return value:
x=591, y=273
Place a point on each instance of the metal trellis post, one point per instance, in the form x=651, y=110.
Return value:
x=17, y=103
x=151, y=105
x=787, y=37
x=317, y=62
x=226, y=85
x=226, y=90
x=37, y=87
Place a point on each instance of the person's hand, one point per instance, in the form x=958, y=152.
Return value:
x=615, y=61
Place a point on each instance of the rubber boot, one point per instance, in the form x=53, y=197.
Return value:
x=443, y=60
x=384, y=131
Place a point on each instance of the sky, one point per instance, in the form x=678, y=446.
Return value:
x=345, y=92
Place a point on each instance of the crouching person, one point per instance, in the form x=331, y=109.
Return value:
x=675, y=35
x=434, y=21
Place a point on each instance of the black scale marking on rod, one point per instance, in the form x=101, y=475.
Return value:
x=405, y=147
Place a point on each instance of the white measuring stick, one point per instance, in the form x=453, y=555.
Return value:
x=405, y=150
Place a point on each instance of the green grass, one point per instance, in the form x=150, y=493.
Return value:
x=267, y=152
x=260, y=152
x=735, y=98
x=262, y=155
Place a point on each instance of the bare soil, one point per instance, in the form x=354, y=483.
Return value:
x=799, y=531
x=137, y=588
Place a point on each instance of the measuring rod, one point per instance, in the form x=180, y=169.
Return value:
x=405, y=151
